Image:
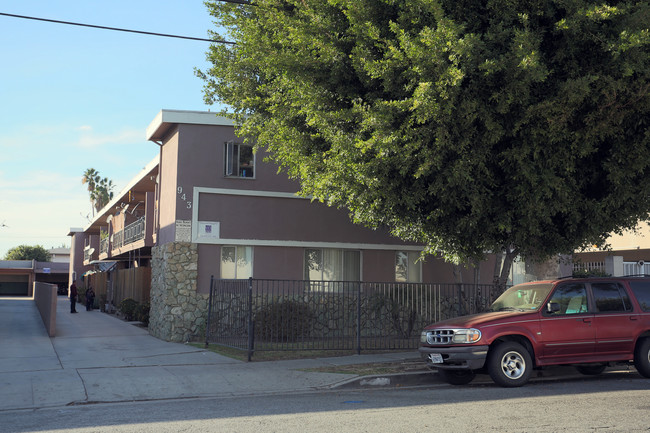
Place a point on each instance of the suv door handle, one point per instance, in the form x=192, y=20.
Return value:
x=634, y=317
x=586, y=319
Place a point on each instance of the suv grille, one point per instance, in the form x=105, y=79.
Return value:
x=440, y=336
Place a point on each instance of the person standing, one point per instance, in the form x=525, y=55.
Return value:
x=73, y=297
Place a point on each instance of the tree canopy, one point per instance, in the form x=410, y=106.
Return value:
x=470, y=126
x=26, y=252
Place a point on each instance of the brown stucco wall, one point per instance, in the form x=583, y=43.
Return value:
x=77, y=243
x=45, y=297
x=168, y=189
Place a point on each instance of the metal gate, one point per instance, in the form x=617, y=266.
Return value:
x=257, y=315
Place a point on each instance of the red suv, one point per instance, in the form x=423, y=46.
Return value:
x=588, y=322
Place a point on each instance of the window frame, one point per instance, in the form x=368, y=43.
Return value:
x=564, y=305
x=236, y=267
x=624, y=297
x=232, y=160
x=641, y=291
x=409, y=263
x=321, y=283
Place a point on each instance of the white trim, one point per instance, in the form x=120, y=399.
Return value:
x=197, y=190
x=242, y=192
x=185, y=117
x=306, y=244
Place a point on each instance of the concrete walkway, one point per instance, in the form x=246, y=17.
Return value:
x=96, y=357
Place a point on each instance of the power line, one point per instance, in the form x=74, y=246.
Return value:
x=115, y=29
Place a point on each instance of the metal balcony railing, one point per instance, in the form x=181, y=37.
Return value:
x=131, y=233
x=103, y=246
x=134, y=231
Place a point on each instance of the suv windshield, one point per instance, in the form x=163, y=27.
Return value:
x=524, y=297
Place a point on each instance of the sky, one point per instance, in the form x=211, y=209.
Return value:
x=73, y=98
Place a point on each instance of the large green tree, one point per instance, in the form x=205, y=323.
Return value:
x=471, y=126
x=26, y=252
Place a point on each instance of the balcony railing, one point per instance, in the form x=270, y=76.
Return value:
x=118, y=239
x=131, y=233
x=103, y=246
x=134, y=231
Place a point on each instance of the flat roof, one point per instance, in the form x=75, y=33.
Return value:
x=166, y=118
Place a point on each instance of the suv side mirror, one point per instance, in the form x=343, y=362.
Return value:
x=552, y=307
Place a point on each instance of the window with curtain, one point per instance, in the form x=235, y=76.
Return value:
x=407, y=267
x=326, y=264
x=236, y=262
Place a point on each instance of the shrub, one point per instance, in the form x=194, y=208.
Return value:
x=102, y=302
x=590, y=273
x=128, y=308
x=142, y=313
x=285, y=321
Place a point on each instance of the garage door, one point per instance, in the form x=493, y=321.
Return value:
x=14, y=285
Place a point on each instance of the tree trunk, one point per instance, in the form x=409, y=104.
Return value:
x=502, y=267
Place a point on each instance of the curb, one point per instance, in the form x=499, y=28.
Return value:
x=397, y=380
x=428, y=378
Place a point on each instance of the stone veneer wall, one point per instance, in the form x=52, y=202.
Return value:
x=177, y=313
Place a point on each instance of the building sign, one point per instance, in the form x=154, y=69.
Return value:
x=208, y=229
x=183, y=231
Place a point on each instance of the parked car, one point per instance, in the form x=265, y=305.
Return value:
x=589, y=323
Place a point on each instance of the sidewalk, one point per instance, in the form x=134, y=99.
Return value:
x=96, y=357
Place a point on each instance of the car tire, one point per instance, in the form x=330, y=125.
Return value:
x=457, y=377
x=591, y=370
x=642, y=357
x=509, y=364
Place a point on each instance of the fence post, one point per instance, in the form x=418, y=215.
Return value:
x=359, y=319
x=460, y=305
x=250, y=319
x=207, y=326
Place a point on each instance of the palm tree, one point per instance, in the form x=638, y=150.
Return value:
x=103, y=193
x=91, y=177
x=99, y=189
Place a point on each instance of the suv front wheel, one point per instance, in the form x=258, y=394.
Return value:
x=642, y=357
x=509, y=364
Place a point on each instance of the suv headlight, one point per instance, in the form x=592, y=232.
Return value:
x=440, y=336
x=466, y=336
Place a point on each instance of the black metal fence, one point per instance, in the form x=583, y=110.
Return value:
x=257, y=315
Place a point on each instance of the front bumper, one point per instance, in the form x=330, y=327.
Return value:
x=456, y=357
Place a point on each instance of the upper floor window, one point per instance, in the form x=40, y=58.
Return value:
x=408, y=268
x=239, y=160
